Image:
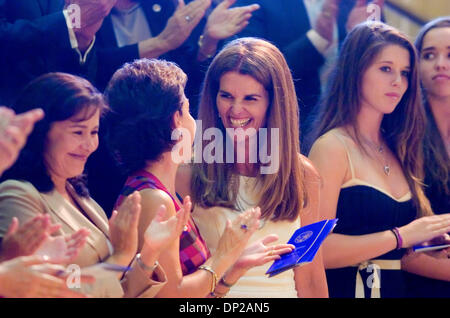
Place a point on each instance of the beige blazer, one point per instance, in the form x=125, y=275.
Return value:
x=22, y=200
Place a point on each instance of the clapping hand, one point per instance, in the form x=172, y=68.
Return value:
x=28, y=238
x=30, y=276
x=236, y=235
x=123, y=230
x=91, y=15
x=91, y=12
x=360, y=12
x=180, y=25
x=326, y=20
x=224, y=22
x=260, y=253
x=14, y=130
x=63, y=249
x=161, y=232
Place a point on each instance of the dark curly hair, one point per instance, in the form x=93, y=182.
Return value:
x=61, y=96
x=143, y=96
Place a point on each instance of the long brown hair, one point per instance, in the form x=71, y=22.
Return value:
x=437, y=167
x=282, y=193
x=404, y=128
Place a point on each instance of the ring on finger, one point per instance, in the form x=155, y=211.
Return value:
x=244, y=227
x=188, y=18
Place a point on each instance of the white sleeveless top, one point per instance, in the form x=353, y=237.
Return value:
x=255, y=283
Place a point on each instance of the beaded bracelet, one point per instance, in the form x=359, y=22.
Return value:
x=214, y=277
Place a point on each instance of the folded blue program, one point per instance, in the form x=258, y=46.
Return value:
x=307, y=241
x=425, y=248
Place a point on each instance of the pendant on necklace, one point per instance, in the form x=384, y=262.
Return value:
x=387, y=169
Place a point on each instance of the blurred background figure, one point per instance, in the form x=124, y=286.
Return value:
x=433, y=44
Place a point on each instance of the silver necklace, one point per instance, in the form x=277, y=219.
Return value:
x=380, y=149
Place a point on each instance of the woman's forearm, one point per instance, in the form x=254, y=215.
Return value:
x=427, y=266
x=346, y=250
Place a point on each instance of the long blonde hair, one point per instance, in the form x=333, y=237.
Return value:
x=282, y=193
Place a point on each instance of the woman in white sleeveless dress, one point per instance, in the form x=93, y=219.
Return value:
x=249, y=95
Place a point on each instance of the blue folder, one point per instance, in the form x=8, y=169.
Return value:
x=307, y=241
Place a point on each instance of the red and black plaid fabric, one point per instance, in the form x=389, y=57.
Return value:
x=193, y=250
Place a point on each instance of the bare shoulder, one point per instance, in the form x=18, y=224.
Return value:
x=330, y=145
x=183, y=179
x=329, y=156
x=311, y=173
x=152, y=199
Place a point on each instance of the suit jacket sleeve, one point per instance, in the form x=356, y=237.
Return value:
x=41, y=33
x=22, y=200
x=137, y=282
x=18, y=199
x=301, y=55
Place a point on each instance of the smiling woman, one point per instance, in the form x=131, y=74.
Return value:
x=249, y=88
x=49, y=155
x=46, y=179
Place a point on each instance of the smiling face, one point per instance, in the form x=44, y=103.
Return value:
x=434, y=64
x=69, y=144
x=386, y=79
x=242, y=101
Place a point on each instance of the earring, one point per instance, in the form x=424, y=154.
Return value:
x=177, y=134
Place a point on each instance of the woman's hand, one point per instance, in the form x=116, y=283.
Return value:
x=180, y=25
x=425, y=229
x=160, y=234
x=63, y=249
x=28, y=238
x=123, y=230
x=259, y=253
x=30, y=276
x=235, y=238
x=224, y=22
x=14, y=130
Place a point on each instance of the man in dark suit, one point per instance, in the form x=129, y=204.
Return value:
x=36, y=39
x=286, y=23
x=172, y=37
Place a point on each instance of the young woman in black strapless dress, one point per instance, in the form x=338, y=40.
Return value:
x=369, y=156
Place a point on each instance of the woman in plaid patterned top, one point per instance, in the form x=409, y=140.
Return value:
x=149, y=108
x=193, y=250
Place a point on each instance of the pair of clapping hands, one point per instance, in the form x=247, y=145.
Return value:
x=33, y=261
